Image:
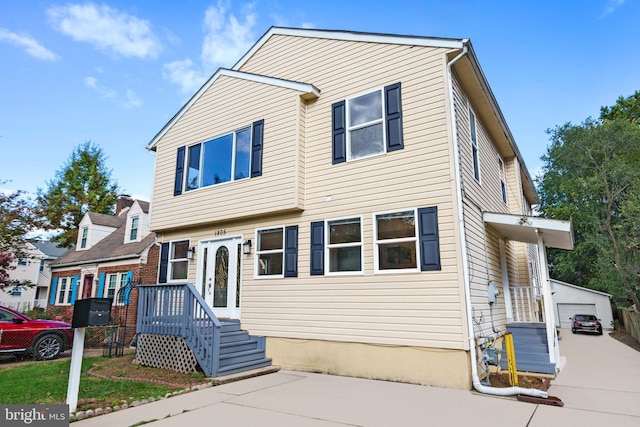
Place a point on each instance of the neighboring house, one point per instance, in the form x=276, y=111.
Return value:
x=358, y=200
x=111, y=252
x=570, y=299
x=35, y=268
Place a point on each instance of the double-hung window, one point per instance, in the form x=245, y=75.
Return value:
x=178, y=261
x=367, y=125
x=133, y=234
x=83, y=241
x=64, y=290
x=231, y=157
x=116, y=281
x=396, y=241
x=270, y=252
x=503, y=180
x=344, y=245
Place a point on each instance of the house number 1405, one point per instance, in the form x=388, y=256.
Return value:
x=221, y=232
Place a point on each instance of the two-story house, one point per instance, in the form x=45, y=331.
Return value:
x=34, y=268
x=358, y=200
x=112, y=252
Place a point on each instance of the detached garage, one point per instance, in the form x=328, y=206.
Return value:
x=571, y=299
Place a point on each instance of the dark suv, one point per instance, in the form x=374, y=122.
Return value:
x=44, y=339
x=586, y=323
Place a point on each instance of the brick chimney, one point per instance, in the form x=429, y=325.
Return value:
x=124, y=201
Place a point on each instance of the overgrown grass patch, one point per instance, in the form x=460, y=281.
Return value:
x=46, y=383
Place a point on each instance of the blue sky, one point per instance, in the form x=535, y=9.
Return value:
x=115, y=72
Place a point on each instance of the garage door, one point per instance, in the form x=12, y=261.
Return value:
x=566, y=311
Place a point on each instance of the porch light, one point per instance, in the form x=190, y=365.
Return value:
x=246, y=247
x=191, y=252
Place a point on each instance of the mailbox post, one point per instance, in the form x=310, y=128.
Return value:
x=86, y=312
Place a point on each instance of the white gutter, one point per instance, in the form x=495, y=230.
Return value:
x=509, y=391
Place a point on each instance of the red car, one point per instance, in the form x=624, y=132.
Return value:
x=44, y=339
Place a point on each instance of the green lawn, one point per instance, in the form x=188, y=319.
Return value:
x=46, y=382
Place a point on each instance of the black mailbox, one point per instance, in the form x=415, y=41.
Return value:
x=91, y=312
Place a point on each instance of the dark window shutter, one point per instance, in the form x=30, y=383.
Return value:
x=317, y=248
x=177, y=185
x=257, y=137
x=429, y=240
x=339, y=132
x=164, y=263
x=291, y=251
x=393, y=111
x=54, y=288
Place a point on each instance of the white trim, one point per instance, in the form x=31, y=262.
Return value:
x=474, y=145
x=350, y=36
x=307, y=89
x=556, y=233
x=381, y=121
x=170, y=264
x=553, y=281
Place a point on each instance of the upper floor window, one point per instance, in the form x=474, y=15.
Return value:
x=231, y=157
x=503, y=180
x=23, y=261
x=344, y=245
x=133, y=235
x=42, y=262
x=367, y=125
x=475, y=154
x=83, y=241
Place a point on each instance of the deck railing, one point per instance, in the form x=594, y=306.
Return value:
x=526, y=303
x=179, y=310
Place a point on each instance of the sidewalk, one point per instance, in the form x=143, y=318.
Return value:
x=600, y=386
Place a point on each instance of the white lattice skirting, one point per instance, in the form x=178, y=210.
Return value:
x=165, y=352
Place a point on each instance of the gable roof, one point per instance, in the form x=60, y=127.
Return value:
x=559, y=282
x=105, y=220
x=308, y=92
x=144, y=206
x=50, y=249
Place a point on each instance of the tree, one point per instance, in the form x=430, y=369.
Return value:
x=625, y=108
x=591, y=177
x=83, y=184
x=17, y=218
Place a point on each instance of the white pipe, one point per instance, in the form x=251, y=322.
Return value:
x=509, y=391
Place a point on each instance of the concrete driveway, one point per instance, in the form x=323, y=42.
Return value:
x=600, y=386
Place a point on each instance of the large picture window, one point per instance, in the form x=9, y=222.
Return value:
x=270, y=252
x=344, y=245
x=396, y=241
x=219, y=160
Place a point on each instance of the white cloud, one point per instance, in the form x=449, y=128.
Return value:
x=133, y=100
x=227, y=38
x=31, y=45
x=107, y=29
x=611, y=7
x=105, y=92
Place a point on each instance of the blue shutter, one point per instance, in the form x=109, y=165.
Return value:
x=257, y=137
x=393, y=112
x=164, y=263
x=54, y=288
x=177, y=185
x=101, y=286
x=339, y=132
x=429, y=240
x=291, y=251
x=317, y=248
x=127, y=292
x=74, y=289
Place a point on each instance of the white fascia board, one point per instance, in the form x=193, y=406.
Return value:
x=560, y=282
x=351, y=36
x=556, y=233
x=304, y=88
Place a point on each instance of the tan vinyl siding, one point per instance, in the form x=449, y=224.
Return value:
x=209, y=118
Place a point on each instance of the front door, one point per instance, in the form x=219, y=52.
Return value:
x=220, y=276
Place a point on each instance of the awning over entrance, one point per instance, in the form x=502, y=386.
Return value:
x=521, y=228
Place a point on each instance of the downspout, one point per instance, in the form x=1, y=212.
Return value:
x=509, y=391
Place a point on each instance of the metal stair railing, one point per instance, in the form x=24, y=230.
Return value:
x=179, y=310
